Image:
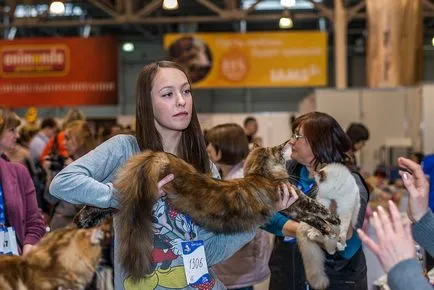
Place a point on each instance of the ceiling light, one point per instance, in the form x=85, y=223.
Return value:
x=57, y=8
x=287, y=3
x=286, y=20
x=432, y=41
x=128, y=46
x=170, y=4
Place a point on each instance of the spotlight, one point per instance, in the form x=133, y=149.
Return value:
x=287, y=3
x=128, y=46
x=170, y=4
x=57, y=8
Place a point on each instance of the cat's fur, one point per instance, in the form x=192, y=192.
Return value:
x=336, y=185
x=222, y=206
x=64, y=259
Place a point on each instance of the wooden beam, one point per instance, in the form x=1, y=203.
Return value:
x=211, y=6
x=230, y=4
x=428, y=4
x=352, y=11
x=253, y=7
x=104, y=8
x=149, y=8
x=340, y=26
x=118, y=6
x=324, y=9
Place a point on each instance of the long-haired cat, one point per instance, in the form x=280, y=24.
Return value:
x=222, y=206
x=336, y=188
x=64, y=259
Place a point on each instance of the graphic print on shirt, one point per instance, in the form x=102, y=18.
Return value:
x=170, y=229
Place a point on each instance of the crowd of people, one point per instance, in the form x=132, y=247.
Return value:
x=59, y=168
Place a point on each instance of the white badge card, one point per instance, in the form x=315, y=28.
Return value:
x=196, y=268
x=2, y=239
x=10, y=246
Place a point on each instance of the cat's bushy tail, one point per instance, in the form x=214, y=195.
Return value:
x=137, y=191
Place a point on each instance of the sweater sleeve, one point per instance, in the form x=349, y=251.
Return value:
x=88, y=179
x=34, y=224
x=407, y=275
x=423, y=232
x=275, y=224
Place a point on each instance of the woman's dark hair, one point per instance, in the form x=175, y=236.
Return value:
x=192, y=145
x=231, y=141
x=357, y=132
x=325, y=136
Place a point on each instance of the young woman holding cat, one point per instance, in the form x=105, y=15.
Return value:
x=166, y=121
x=318, y=139
x=227, y=148
x=18, y=205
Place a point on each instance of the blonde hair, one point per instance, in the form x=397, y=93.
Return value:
x=82, y=134
x=8, y=120
x=73, y=115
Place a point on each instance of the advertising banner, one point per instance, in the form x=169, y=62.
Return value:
x=58, y=71
x=265, y=59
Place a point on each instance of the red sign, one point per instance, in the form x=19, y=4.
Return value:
x=58, y=72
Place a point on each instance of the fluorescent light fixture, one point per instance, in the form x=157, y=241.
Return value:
x=285, y=22
x=57, y=8
x=128, y=46
x=276, y=4
x=287, y=3
x=170, y=4
x=432, y=41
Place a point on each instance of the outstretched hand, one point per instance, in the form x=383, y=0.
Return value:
x=163, y=182
x=287, y=195
x=417, y=186
x=395, y=242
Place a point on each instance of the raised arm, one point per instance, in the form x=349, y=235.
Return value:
x=88, y=180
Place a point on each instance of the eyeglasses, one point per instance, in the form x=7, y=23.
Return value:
x=295, y=137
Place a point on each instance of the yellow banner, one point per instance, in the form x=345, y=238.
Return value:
x=265, y=59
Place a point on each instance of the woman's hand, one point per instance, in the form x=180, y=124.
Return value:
x=27, y=248
x=287, y=195
x=163, y=182
x=395, y=242
x=417, y=186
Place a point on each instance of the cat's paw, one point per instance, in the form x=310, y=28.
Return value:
x=318, y=281
x=313, y=234
x=330, y=245
x=341, y=246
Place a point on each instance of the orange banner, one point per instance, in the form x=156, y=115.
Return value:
x=263, y=59
x=58, y=71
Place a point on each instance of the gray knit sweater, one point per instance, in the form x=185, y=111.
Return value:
x=88, y=181
x=408, y=275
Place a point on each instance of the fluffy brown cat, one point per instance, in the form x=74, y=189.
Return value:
x=222, y=206
x=64, y=259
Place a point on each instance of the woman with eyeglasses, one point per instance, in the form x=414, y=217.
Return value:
x=318, y=139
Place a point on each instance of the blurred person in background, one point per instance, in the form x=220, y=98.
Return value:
x=227, y=148
x=18, y=206
x=359, y=135
x=55, y=148
x=250, y=128
x=21, y=153
x=78, y=141
x=40, y=140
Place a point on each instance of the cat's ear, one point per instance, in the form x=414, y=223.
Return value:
x=255, y=145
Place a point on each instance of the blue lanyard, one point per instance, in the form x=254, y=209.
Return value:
x=2, y=207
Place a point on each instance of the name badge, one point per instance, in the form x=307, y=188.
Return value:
x=196, y=268
x=8, y=241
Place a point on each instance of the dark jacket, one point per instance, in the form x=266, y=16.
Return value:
x=21, y=208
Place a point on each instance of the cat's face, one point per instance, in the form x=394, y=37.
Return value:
x=268, y=161
x=78, y=250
